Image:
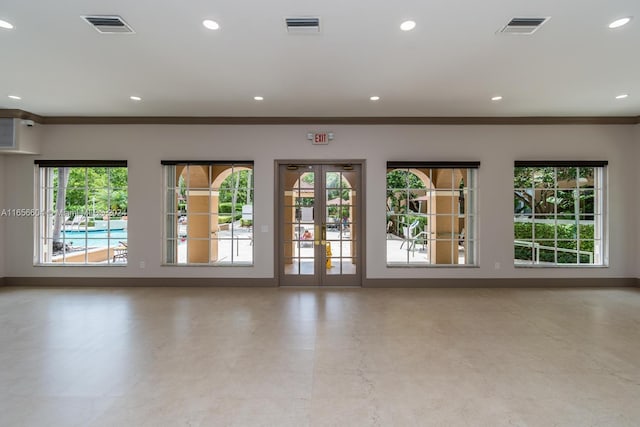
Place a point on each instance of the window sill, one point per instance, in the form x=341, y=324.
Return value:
x=207, y=265
x=426, y=266
x=560, y=266
x=59, y=264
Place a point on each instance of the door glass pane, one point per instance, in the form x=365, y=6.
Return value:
x=298, y=226
x=341, y=266
x=339, y=219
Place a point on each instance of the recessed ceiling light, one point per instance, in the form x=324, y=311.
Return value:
x=6, y=25
x=620, y=22
x=408, y=25
x=496, y=98
x=210, y=24
x=374, y=98
x=16, y=97
x=135, y=98
x=622, y=96
x=258, y=98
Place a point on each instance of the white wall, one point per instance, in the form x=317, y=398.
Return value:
x=495, y=146
x=28, y=138
x=2, y=219
x=637, y=198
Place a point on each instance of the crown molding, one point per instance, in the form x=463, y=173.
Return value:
x=223, y=120
x=20, y=114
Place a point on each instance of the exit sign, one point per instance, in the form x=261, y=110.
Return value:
x=320, y=138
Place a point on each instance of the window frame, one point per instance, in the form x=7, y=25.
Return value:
x=44, y=214
x=171, y=212
x=468, y=234
x=600, y=215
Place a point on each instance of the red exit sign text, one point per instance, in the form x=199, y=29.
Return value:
x=320, y=138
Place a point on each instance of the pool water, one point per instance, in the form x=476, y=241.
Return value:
x=100, y=238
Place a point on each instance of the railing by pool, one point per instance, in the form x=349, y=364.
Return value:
x=537, y=246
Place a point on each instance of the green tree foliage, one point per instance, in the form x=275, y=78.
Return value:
x=104, y=189
x=403, y=179
x=308, y=177
x=241, y=184
x=338, y=190
x=400, y=186
x=535, y=190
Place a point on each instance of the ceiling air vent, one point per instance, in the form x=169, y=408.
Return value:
x=523, y=26
x=108, y=24
x=303, y=25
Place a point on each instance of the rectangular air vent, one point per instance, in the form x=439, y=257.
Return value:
x=108, y=24
x=303, y=25
x=523, y=26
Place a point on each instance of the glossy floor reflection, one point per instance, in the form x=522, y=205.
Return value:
x=294, y=357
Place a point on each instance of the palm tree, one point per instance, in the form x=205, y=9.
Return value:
x=59, y=218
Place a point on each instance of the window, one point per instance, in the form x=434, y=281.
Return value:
x=82, y=212
x=208, y=213
x=431, y=213
x=558, y=213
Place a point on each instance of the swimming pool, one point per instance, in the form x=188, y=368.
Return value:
x=98, y=238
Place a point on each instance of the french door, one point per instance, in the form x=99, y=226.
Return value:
x=319, y=224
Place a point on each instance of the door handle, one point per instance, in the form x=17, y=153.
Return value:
x=322, y=232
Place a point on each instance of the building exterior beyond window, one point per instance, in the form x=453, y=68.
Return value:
x=431, y=213
x=82, y=213
x=208, y=213
x=559, y=213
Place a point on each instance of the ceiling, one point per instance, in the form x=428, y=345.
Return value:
x=451, y=64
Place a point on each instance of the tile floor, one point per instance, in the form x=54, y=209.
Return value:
x=337, y=357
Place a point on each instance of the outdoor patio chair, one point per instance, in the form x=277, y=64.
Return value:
x=76, y=222
x=418, y=239
x=120, y=252
x=408, y=233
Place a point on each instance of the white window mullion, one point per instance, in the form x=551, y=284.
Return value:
x=577, y=216
x=189, y=214
x=555, y=214
x=534, y=252
x=599, y=215
x=234, y=200
x=453, y=218
x=86, y=232
x=210, y=189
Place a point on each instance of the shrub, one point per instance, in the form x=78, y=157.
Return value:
x=567, y=239
x=225, y=207
x=422, y=222
x=225, y=219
